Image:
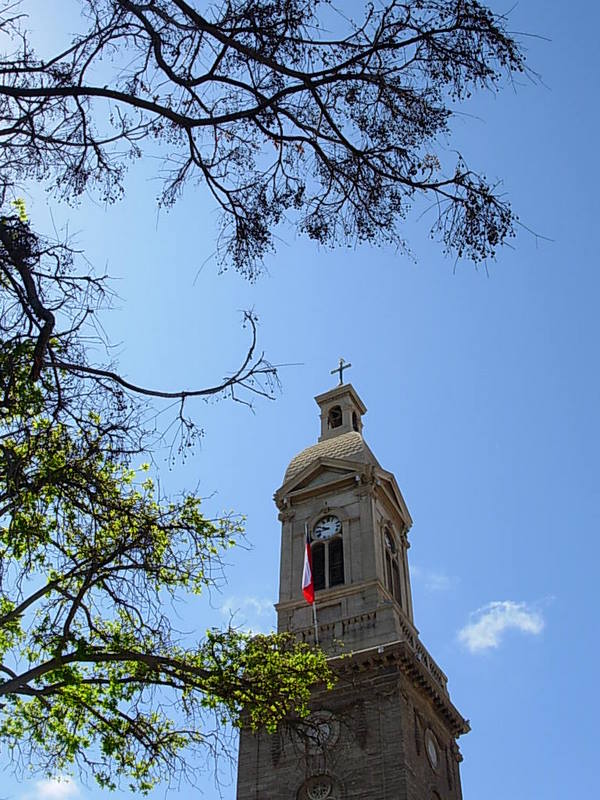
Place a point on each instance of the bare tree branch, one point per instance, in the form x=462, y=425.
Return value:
x=334, y=134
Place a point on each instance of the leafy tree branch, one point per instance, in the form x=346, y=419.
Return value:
x=92, y=670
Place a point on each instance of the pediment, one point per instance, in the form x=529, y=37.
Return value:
x=333, y=472
x=321, y=472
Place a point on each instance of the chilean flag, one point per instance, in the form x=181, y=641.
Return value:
x=308, y=585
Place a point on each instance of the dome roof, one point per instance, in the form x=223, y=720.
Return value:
x=347, y=445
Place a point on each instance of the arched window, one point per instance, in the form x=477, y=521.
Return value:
x=392, y=570
x=334, y=418
x=355, y=422
x=328, y=563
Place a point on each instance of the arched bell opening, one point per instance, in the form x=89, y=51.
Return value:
x=334, y=418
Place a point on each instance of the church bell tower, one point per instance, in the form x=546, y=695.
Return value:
x=388, y=730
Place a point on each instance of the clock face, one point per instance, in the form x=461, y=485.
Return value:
x=319, y=733
x=327, y=527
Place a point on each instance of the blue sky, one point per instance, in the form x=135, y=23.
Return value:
x=482, y=390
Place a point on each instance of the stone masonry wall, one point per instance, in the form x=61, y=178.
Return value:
x=376, y=728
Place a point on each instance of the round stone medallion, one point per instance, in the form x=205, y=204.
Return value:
x=319, y=787
x=431, y=746
x=319, y=790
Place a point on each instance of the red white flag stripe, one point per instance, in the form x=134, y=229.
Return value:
x=308, y=586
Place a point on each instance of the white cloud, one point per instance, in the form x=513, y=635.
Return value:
x=488, y=624
x=438, y=582
x=249, y=613
x=59, y=788
x=432, y=580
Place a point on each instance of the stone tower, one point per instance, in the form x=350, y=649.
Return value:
x=388, y=730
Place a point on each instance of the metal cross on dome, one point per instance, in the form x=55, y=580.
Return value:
x=343, y=365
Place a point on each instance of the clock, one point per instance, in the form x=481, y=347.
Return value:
x=327, y=527
x=317, y=733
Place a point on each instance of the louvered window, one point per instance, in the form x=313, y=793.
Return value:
x=328, y=563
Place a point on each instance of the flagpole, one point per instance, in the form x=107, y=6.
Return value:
x=313, y=604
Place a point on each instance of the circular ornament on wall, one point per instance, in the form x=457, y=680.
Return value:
x=319, y=787
x=431, y=748
x=319, y=791
x=319, y=732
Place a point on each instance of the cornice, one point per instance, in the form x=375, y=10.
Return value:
x=341, y=391
x=328, y=597
x=399, y=654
